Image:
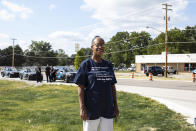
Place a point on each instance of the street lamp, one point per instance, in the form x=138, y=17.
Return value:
x=13, y=52
x=166, y=45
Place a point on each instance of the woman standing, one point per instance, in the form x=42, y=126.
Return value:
x=97, y=91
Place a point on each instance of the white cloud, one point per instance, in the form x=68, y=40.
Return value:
x=3, y=44
x=134, y=15
x=15, y=8
x=65, y=40
x=4, y=15
x=66, y=35
x=52, y=6
x=23, y=43
x=4, y=40
x=3, y=36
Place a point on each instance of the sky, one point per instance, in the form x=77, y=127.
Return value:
x=66, y=22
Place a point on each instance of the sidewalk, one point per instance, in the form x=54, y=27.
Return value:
x=181, y=76
x=181, y=101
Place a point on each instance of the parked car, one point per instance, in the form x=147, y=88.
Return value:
x=194, y=71
x=131, y=68
x=170, y=69
x=60, y=74
x=155, y=70
x=66, y=74
x=10, y=72
x=116, y=69
x=123, y=69
x=28, y=74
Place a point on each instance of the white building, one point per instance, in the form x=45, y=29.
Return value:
x=180, y=62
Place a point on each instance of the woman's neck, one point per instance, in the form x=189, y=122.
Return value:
x=96, y=58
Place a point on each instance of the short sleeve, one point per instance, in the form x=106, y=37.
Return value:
x=81, y=76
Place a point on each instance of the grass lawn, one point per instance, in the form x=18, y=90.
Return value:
x=56, y=108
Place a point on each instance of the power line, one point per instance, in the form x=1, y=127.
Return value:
x=126, y=40
x=143, y=10
x=131, y=49
x=183, y=42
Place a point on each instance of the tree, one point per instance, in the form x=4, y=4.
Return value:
x=176, y=36
x=19, y=58
x=63, y=59
x=79, y=58
x=190, y=33
x=157, y=45
x=30, y=59
x=139, y=43
x=123, y=47
x=107, y=54
x=81, y=55
x=72, y=58
x=7, y=53
x=87, y=51
x=114, y=50
x=41, y=53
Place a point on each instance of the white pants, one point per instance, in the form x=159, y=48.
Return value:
x=103, y=124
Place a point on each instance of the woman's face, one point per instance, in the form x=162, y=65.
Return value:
x=98, y=47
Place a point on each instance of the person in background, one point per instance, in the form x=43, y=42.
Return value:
x=47, y=71
x=53, y=74
x=38, y=74
x=97, y=92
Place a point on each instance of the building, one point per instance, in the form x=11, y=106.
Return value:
x=180, y=62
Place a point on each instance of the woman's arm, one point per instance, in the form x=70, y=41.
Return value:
x=83, y=112
x=116, y=111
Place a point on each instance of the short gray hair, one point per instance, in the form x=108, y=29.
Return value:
x=95, y=38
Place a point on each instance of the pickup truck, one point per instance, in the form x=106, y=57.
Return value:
x=170, y=69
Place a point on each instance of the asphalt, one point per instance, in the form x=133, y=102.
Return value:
x=165, y=84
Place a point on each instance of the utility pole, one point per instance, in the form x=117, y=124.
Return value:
x=166, y=36
x=13, y=52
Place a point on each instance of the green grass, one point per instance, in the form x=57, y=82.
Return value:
x=55, y=108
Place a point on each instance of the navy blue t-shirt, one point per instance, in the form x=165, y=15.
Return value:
x=98, y=79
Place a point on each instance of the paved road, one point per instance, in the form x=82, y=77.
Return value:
x=179, y=96
x=169, y=84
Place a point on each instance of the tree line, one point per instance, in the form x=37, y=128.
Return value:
x=120, y=49
x=39, y=52
x=123, y=46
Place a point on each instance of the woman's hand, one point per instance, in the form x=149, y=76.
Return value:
x=83, y=113
x=116, y=111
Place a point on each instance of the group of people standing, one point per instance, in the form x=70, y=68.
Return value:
x=50, y=73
